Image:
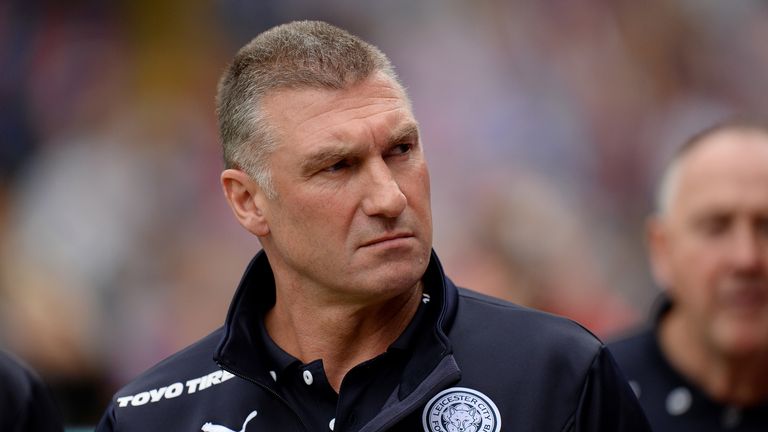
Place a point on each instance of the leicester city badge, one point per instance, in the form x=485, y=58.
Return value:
x=460, y=409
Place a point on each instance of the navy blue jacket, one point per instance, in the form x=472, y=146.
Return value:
x=671, y=402
x=487, y=363
x=25, y=404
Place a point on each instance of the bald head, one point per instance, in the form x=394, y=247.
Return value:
x=732, y=136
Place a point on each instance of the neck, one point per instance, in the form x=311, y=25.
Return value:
x=342, y=335
x=739, y=381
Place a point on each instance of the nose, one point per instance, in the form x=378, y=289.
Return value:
x=383, y=196
x=748, y=249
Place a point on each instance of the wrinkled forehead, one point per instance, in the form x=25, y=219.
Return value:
x=306, y=112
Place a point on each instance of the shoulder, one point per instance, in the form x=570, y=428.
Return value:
x=17, y=379
x=189, y=382
x=24, y=398
x=491, y=333
x=18, y=385
x=194, y=361
x=557, y=370
x=633, y=350
x=492, y=318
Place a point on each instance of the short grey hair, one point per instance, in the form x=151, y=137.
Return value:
x=670, y=177
x=300, y=54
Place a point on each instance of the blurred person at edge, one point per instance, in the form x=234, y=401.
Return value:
x=701, y=364
x=345, y=321
x=25, y=403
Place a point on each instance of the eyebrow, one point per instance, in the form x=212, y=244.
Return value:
x=322, y=157
x=408, y=130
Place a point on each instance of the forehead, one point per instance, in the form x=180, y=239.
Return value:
x=729, y=168
x=364, y=110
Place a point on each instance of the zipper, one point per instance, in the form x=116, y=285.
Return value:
x=450, y=374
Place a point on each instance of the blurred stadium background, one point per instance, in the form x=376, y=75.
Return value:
x=545, y=123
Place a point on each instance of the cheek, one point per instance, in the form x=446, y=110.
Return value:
x=304, y=215
x=697, y=254
x=329, y=216
x=695, y=271
x=416, y=187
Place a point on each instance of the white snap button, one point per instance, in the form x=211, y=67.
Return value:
x=679, y=401
x=273, y=375
x=308, y=377
x=332, y=424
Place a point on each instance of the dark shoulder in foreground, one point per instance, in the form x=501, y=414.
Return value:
x=17, y=380
x=25, y=403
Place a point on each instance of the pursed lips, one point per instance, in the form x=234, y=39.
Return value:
x=389, y=237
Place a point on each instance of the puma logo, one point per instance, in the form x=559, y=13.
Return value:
x=210, y=427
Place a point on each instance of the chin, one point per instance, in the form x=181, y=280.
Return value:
x=745, y=342
x=401, y=280
x=745, y=351
x=396, y=279
x=391, y=272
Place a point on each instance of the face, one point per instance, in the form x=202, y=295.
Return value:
x=710, y=249
x=351, y=219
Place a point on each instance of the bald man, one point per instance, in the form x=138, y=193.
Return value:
x=702, y=364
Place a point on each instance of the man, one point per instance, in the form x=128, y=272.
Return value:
x=345, y=321
x=25, y=404
x=702, y=363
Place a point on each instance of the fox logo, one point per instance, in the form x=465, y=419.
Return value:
x=210, y=427
x=461, y=418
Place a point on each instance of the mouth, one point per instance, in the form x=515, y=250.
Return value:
x=748, y=297
x=387, y=238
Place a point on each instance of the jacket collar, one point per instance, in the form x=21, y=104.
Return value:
x=241, y=353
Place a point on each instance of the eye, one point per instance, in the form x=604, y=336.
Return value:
x=714, y=225
x=400, y=149
x=762, y=226
x=338, y=166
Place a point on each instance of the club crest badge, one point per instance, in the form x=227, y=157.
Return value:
x=460, y=409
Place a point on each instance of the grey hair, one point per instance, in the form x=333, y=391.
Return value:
x=300, y=54
x=670, y=177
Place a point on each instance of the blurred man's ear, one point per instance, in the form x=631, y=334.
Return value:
x=657, y=240
x=246, y=199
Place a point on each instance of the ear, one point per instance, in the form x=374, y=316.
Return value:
x=246, y=199
x=658, y=243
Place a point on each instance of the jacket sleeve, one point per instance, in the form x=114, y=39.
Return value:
x=607, y=403
x=107, y=423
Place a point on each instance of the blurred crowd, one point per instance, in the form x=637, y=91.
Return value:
x=545, y=123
